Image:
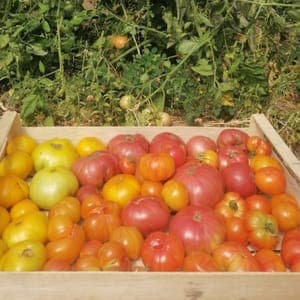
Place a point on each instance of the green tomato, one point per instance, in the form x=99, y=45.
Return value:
x=24, y=256
x=50, y=185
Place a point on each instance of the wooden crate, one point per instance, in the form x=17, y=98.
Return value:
x=152, y=285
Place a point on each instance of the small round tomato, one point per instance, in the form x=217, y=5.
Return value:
x=118, y=41
x=151, y=188
x=270, y=180
x=269, y=261
x=258, y=202
x=236, y=230
x=89, y=144
x=260, y=161
x=162, y=251
x=199, y=261
x=121, y=188
x=4, y=219
x=257, y=146
x=175, y=195
x=21, y=208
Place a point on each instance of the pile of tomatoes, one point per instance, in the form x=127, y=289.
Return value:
x=135, y=204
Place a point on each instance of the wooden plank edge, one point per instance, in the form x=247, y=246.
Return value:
x=288, y=158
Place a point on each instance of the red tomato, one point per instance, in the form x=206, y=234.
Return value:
x=295, y=265
x=284, y=197
x=234, y=257
x=90, y=248
x=162, y=251
x=269, y=261
x=236, y=230
x=204, y=183
x=231, y=205
x=199, y=261
x=258, y=202
x=231, y=154
x=96, y=168
x=147, y=214
x=85, y=191
x=57, y=265
x=170, y=143
x=113, y=257
x=86, y=263
x=198, y=227
x=263, y=229
x=232, y=137
x=128, y=148
x=197, y=144
x=270, y=180
x=290, y=246
x=239, y=178
x=256, y=146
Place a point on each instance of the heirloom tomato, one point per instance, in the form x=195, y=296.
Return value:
x=59, y=226
x=85, y=191
x=199, y=261
x=162, y=251
x=89, y=144
x=258, y=202
x=231, y=154
x=290, y=247
x=86, y=263
x=151, y=188
x=257, y=145
x=4, y=219
x=22, y=142
x=56, y=265
x=22, y=208
x=93, y=204
x=236, y=230
x=209, y=157
x=90, y=248
x=198, y=144
x=232, y=137
x=260, y=161
x=269, y=261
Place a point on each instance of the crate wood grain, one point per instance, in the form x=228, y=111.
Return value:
x=148, y=285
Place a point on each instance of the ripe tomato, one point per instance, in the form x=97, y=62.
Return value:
x=290, y=246
x=21, y=208
x=209, y=157
x=147, y=214
x=270, y=180
x=113, y=257
x=284, y=197
x=162, y=251
x=151, y=188
x=295, y=266
x=234, y=257
x=231, y=205
x=56, y=265
x=89, y=144
x=121, y=188
x=199, y=261
x=131, y=239
x=236, y=230
x=156, y=166
x=59, y=226
x=260, y=161
x=269, y=261
x=231, y=154
x=175, y=195
x=232, y=137
x=95, y=204
x=198, y=227
x=22, y=142
x=258, y=202
x=171, y=144
x=85, y=191
x=90, y=248
x=257, y=146
x=263, y=229
x=198, y=144
x=12, y=190
x=18, y=163
x=4, y=219
x=86, y=263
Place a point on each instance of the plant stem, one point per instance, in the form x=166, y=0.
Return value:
x=269, y=3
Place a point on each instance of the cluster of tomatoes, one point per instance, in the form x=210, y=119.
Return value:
x=135, y=204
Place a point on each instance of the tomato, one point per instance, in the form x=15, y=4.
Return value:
x=59, y=227
x=96, y=168
x=239, y=178
x=18, y=163
x=119, y=41
x=209, y=157
x=22, y=142
x=204, y=183
x=234, y=257
x=56, y=152
x=113, y=257
x=68, y=206
x=232, y=137
x=147, y=214
x=295, y=266
x=94, y=204
x=126, y=102
x=86, y=263
x=21, y=208
x=269, y=261
x=175, y=195
x=89, y=144
x=129, y=148
x=131, y=239
x=257, y=146
x=12, y=190
x=231, y=205
x=198, y=144
x=90, y=248
x=50, y=185
x=32, y=226
x=171, y=144
x=85, y=191
x=290, y=246
x=260, y=161
x=4, y=219
x=151, y=188
x=287, y=215
x=28, y=255
x=263, y=229
x=156, y=166
x=198, y=227
x=56, y=265
x=236, y=230
x=162, y=251
x=121, y=188
x=3, y=249
x=199, y=261
x=258, y=202
x=270, y=180
x=284, y=197
x=231, y=154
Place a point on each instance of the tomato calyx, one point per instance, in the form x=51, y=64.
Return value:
x=270, y=228
x=56, y=146
x=27, y=252
x=197, y=217
x=233, y=205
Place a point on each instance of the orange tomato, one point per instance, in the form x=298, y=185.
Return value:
x=257, y=145
x=59, y=227
x=151, y=188
x=21, y=208
x=4, y=219
x=260, y=161
x=175, y=195
x=22, y=142
x=209, y=157
x=12, y=190
x=86, y=263
x=89, y=144
x=284, y=197
x=119, y=41
x=269, y=261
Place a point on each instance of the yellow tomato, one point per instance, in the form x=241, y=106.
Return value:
x=21, y=208
x=88, y=145
x=4, y=219
x=21, y=142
